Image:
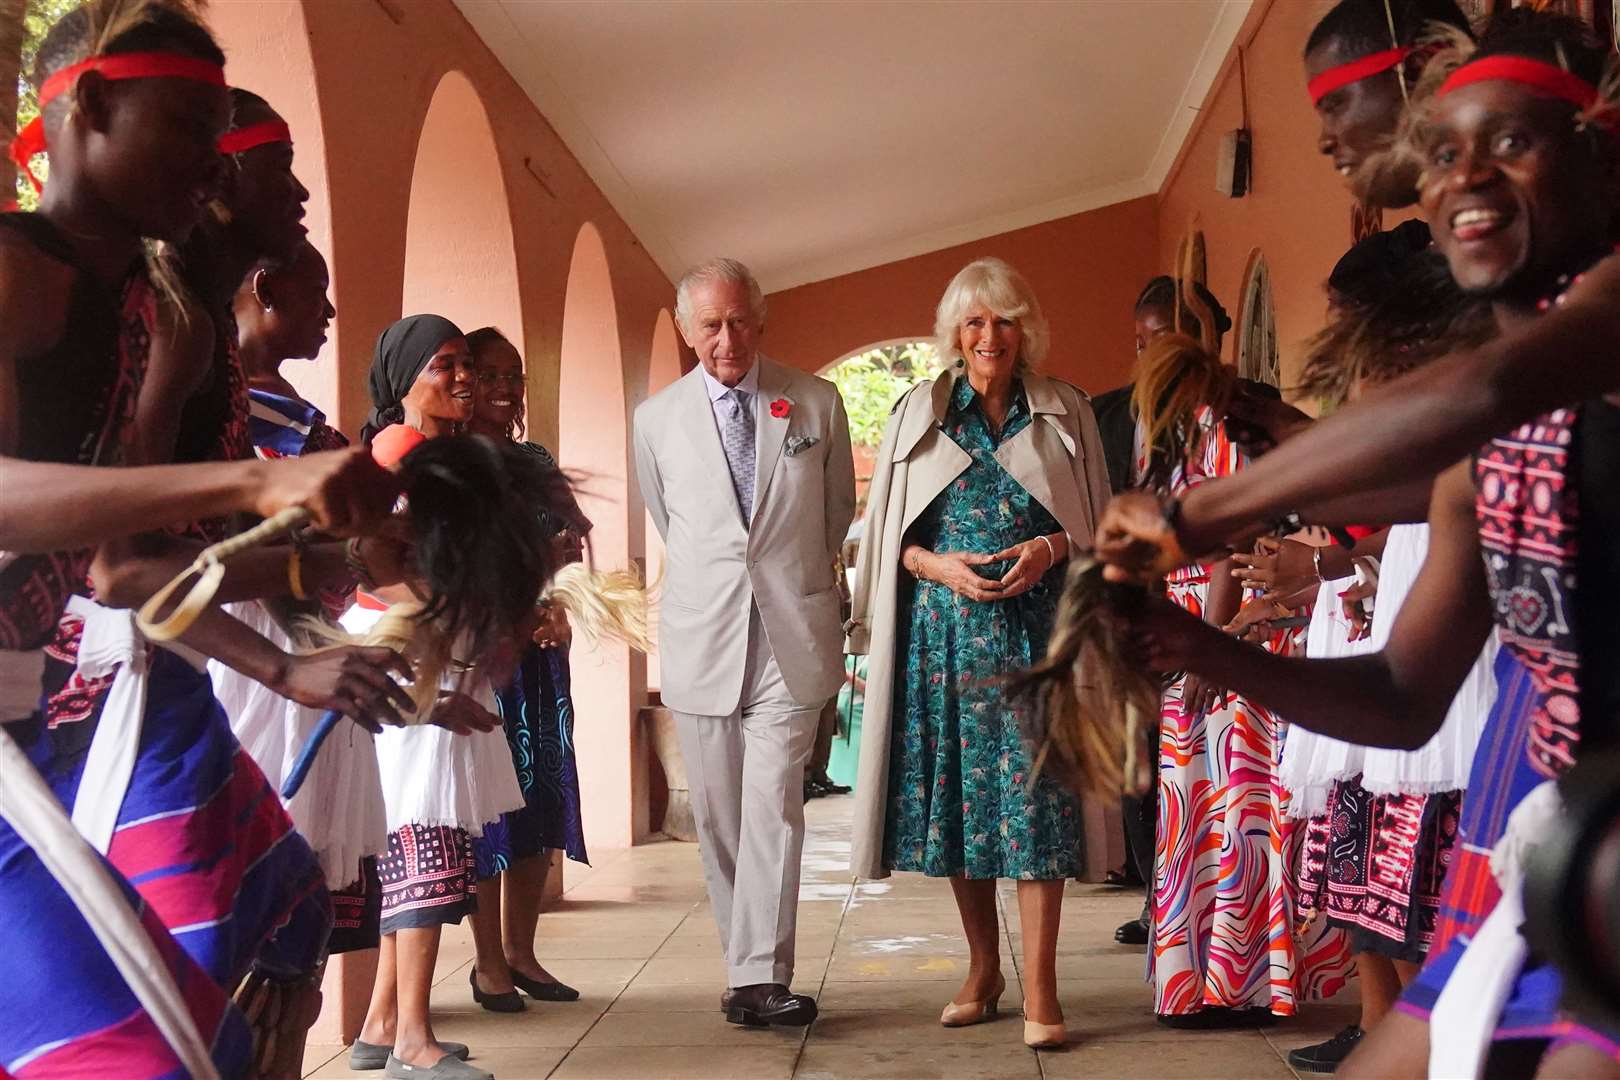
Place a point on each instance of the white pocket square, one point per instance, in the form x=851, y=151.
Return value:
x=798, y=444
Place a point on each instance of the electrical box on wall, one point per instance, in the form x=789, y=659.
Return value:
x=1232, y=166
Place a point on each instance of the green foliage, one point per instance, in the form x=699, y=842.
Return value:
x=41, y=16
x=872, y=381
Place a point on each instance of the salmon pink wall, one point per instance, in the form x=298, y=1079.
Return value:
x=1085, y=269
x=459, y=256
x=1298, y=212
x=355, y=79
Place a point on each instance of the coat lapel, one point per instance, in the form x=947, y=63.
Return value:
x=696, y=420
x=770, y=432
x=924, y=416
x=1044, y=450
x=933, y=458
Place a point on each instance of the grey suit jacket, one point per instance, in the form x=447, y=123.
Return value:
x=716, y=569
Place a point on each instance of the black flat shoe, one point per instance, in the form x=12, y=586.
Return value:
x=1327, y=1056
x=508, y=1002
x=1135, y=932
x=1218, y=1018
x=544, y=991
x=770, y=1003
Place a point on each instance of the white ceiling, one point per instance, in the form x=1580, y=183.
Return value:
x=811, y=139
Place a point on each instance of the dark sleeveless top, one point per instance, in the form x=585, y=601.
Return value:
x=214, y=422
x=74, y=402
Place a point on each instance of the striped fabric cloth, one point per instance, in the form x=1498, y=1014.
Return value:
x=205, y=841
x=281, y=427
x=68, y=1012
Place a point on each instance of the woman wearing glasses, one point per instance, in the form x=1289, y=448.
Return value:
x=538, y=714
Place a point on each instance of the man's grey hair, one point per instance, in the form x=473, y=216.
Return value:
x=721, y=269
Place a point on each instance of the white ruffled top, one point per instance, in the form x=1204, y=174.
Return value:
x=431, y=776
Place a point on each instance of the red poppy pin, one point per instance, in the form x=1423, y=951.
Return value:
x=781, y=407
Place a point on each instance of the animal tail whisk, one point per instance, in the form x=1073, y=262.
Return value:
x=1090, y=708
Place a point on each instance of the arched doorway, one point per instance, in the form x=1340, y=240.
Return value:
x=870, y=380
x=459, y=258
x=593, y=434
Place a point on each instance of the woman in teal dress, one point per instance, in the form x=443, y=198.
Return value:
x=986, y=478
x=953, y=730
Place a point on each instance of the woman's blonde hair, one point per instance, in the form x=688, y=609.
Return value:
x=1004, y=291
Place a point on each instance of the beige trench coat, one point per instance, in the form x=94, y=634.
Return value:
x=1058, y=459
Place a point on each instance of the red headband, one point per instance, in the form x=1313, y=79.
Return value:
x=1356, y=70
x=136, y=65
x=1548, y=79
x=260, y=134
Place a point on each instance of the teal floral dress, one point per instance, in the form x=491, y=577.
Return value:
x=959, y=799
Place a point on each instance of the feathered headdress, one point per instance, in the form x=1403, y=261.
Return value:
x=1394, y=308
x=1458, y=60
x=1089, y=709
x=1177, y=374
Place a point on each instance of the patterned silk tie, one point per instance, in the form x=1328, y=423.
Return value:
x=737, y=436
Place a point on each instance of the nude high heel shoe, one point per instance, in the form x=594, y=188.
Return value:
x=974, y=1012
x=1044, y=1036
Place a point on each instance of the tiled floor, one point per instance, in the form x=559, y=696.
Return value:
x=634, y=933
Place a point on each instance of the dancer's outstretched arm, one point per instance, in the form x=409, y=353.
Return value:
x=1402, y=433
x=1395, y=698
x=54, y=507
x=50, y=507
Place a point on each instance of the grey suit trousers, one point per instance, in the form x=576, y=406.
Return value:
x=746, y=773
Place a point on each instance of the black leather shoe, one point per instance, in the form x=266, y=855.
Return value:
x=508, y=1002
x=824, y=785
x=725, y=999
x=544, y=991
x=1135, y=932
x=770, y=1003
x=1326, y=1057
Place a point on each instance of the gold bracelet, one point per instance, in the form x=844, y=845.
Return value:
x=295, y=573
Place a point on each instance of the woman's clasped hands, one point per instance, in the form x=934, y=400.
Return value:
x=1030, y=560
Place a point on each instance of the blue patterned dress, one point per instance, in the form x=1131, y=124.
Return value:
x=537, y=710
x=959, y=798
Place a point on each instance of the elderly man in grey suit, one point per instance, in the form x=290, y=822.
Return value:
x=746, y=469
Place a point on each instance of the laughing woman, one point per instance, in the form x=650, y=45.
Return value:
x=444, y=782
x=988, y=477
x=537, y=712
